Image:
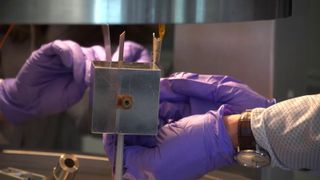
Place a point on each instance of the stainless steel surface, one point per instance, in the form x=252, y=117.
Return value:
x=92, y=167
x=140, y=11
x=243, y=50
x=19, y=174
x=119, y=157
x=137, y=80
x=121, y=47
x=106, y=41
x=67, y=167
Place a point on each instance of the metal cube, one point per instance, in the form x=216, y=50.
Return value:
x=125, y=98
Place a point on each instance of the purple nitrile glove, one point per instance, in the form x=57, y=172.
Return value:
x=53, y=78
x=184, y=94
x=133, y=52
x=185, y=149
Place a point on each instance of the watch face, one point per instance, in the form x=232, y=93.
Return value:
x=251, y=158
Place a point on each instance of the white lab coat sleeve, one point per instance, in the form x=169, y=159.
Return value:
x=290, y=132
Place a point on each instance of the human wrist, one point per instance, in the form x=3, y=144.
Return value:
x=231, y=125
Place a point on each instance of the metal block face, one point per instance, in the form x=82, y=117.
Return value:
x=126, y=99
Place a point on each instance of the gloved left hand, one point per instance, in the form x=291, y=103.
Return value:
x=52, y=79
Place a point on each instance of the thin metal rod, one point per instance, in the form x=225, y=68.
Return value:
x=107, y=43
x=156, y=50
x=121, y=47
x=119, y=157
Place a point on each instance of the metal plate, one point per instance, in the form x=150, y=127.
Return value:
x=136, y=80
x=140, y=11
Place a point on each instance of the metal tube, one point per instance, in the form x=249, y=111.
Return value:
x=66, y=168
x=119, y=157
x=156, y=50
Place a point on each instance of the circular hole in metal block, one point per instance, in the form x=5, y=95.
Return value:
x=69, y=162
x=125, y=101
x=67, y=167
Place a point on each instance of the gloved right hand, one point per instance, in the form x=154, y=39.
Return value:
x=185, y=149
x=184, y=94
x=53, y=78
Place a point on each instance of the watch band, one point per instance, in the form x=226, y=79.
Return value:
x=249, y=153
x=245, y=136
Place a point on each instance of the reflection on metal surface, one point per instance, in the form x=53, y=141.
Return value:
x=92, y=167
x=136, y=87
x=119, y=157
x=140, y=11
x=66, y=168
x=51, y=154
x=19, y=174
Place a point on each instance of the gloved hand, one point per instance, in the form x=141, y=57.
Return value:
x=133, y=52
x=185, y=149
x=53, y=78
x=184, y=94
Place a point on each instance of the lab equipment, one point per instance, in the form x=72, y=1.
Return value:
x=125, y=100
x=106, y=41
x=133, y=52
x=156, y=44
x=92, y=166
x=11, y=173
x=53, y=79
x=121, y=48
x=140, y=11
x=67, y=167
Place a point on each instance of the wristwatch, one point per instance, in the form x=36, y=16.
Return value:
x=250, y=154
